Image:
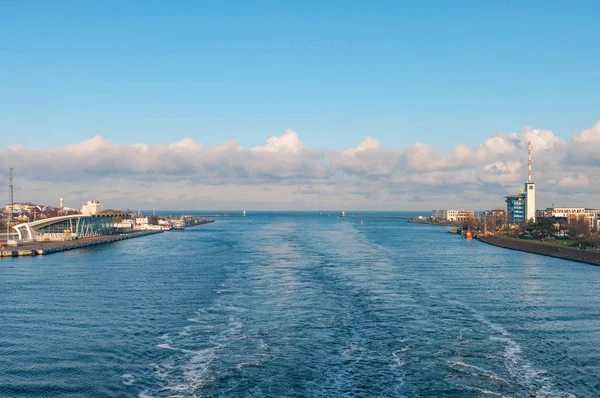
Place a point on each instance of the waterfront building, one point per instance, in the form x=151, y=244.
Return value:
x=515, y=208
x=521, y=207
x=141, y=222
x=437, y=214
x=92, y=207
x=494, y=218
x=592, y=216
x=67, y=227
x=543, y=213
x=125, y=224
x=454, y=215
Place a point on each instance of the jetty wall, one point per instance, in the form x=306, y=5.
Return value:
x=43, y=248
x=566, y=253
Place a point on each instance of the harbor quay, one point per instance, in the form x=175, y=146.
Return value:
x=49, y=247
x=90, y=227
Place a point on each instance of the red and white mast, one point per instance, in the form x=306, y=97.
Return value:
x=529, y=161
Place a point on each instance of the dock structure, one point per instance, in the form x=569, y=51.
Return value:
x=42, y=248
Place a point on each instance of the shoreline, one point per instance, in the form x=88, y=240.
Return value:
x=564, y=253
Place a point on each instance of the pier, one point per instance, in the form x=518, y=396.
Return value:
x=42, y=248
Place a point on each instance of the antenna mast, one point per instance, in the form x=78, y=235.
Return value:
x=10, y=197
x=529, y=162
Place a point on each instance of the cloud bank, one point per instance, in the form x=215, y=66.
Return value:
x=286, y=174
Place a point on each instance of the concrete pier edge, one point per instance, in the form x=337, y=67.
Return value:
x=564, y=253
x=70, y=245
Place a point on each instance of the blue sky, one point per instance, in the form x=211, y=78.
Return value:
x=436, y=72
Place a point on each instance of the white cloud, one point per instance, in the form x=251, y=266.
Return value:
x=288, y=142
x=368, y=144
x=591, y=135
x=285, y=173
x=574, y=181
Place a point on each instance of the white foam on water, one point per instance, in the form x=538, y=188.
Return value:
x=466, y=365
x=484, y=372
x=185, y=331
x=178, y=388
x=235, y=309
x=487, y=392
x=143, y=395
x=353, y=351
x=167, y=347
x=164, y=370
x=197, y=371
x=247, y=364
x=263, y=345
x=401, y=362
x=129, y=379
x=523, y=371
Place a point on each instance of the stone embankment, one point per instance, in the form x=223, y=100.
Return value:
x=434, y=222
x=42, y=248
x=566, y=253
x=198, y=221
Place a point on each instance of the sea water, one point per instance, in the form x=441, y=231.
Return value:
x=299, y=305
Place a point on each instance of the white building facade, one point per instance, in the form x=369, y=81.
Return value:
x=592, y=216
x=530, y=201
x=456, y=215
x=92, y=207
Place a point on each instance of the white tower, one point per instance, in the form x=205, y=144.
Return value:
x=529, y=190
x=61, y=203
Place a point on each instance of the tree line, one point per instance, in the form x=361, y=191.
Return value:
x=577, y=228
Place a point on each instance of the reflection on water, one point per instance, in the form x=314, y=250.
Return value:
x=533, y=278
x=299, y=306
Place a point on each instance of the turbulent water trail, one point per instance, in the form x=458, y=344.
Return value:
x=300, y=306
x=322, y=310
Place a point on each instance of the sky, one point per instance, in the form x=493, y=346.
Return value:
x=298, y=105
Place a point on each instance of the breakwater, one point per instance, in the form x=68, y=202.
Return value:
x=566, y=253
x=435, y=222
x=42, y=248
x=198, y=221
